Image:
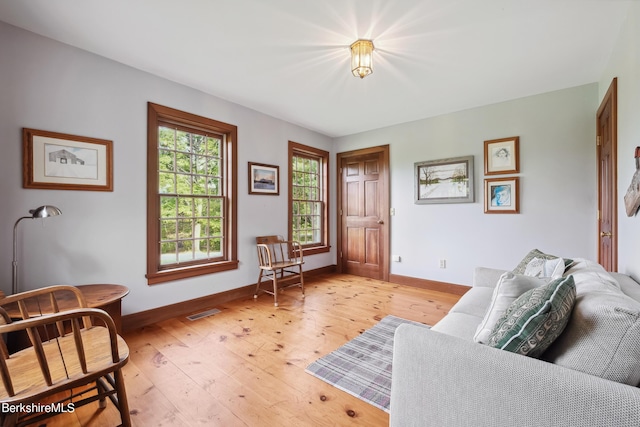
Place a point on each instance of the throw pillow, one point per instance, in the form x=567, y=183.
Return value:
x=535, y=253
x=602, y=337
x=540, y=267
x=509, y=287
x=535, y=319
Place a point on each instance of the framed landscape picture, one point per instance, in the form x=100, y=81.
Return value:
x=501, y=195
x=444, y=181
x=501, y=156
x=59, y=161
x=264, y=179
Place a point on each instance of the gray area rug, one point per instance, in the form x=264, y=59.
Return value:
x=362, y=367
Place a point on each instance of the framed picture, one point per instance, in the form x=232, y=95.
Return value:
x=58, y=161
x=501, y=195
x=264, y=179
x=501, y=156
x=444, y=181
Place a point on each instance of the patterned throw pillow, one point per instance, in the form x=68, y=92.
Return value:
x=535, y=319
x=540, y=267
x=535, y=253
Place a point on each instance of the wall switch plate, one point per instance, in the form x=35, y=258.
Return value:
x=395, y=258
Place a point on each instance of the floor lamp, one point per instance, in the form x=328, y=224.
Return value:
x=41, y=212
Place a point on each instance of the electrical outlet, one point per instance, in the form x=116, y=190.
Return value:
x=443, y=263
x=392, y=211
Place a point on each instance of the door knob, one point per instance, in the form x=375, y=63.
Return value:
x=605, y=234
x=380, y=221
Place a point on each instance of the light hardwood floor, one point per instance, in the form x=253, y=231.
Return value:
x=245, y=365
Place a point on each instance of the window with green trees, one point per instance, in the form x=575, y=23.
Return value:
x=191, y=202
x=308, y=197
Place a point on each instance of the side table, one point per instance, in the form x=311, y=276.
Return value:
x=107, y=298
x=104, y=296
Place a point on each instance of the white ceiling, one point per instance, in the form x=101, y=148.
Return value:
x=290, y=58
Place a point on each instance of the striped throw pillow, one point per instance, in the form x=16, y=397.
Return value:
x=534, y=320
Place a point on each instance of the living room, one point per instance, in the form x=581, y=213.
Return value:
x=556, y=133
x=101, y=236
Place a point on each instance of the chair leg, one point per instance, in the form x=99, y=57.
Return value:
x=123, y=404
x=255, y=295
x=275, y=288
x=102, y=403
x=301, y=280
x=10, y=419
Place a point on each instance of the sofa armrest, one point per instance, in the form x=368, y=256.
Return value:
x=441, y=380
x=486, y=277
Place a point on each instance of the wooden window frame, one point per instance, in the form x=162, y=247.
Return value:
x=156, y=273
x=305, y=150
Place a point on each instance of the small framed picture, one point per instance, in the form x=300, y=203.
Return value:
x=501, y=156
x=444, y=181
x=264, y=179
x=501, y=195
x=59, y=161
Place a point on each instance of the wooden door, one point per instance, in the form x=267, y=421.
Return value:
x=607, y=180
x=363, y=212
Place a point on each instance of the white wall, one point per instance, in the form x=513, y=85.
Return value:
x=101, y=237
x=557, y=185
x=625, y=65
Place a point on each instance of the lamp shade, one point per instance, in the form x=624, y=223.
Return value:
x=362, y=58
x=45, y=211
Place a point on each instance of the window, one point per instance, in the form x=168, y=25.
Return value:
x=309, y=197
x=191, y=187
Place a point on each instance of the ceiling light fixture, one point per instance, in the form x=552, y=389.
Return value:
x=362, y=58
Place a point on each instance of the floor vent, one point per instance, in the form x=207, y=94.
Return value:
x=203, y=314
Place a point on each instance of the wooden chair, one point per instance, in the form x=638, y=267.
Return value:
x=279, y=260
x=72, y=356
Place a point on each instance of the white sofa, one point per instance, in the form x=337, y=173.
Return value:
x=442, y=377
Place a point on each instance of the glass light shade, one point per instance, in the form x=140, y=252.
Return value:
x=362, y=58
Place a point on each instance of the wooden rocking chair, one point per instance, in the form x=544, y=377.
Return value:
x=276, y=257
x=68, y=351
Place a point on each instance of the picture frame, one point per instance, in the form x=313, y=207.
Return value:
x=502, y=195
x=264, y=179
x=444, y=181
x=59, y=161
x=502, y=156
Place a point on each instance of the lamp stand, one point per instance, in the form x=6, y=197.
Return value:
x=45, y=211
x=14, y=276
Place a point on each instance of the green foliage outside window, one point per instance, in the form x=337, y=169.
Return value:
x=191, y=199
x=306, y=200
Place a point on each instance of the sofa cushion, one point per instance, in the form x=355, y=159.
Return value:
x=535, y=319
x=509, y=287
x=535, y=253
x=590, y=276
x=629, y=286
x=602, y=337
x=474, y=302
x=486, y=277
x=461, y=325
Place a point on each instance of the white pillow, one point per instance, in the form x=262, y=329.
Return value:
x=540, y=267
x=509, y=287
